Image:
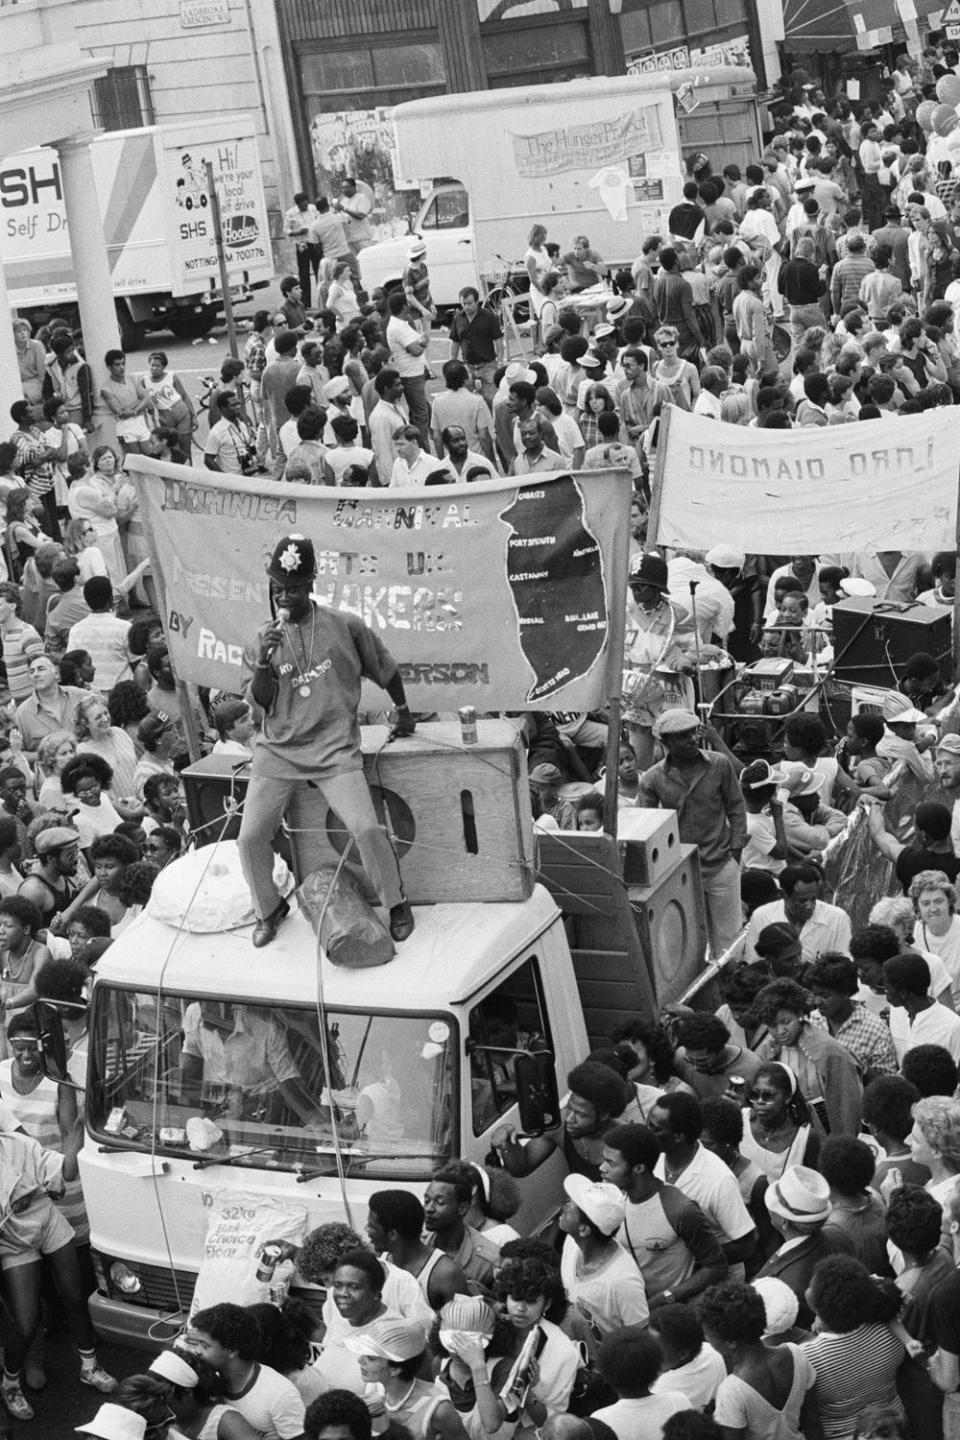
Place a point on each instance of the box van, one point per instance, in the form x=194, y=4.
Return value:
x=600, y=156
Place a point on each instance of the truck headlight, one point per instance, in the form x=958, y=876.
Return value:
x=124, y=1280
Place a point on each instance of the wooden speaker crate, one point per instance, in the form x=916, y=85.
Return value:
x=459, y=815
x=649, y=843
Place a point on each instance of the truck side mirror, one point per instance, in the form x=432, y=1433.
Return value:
x=538, y=1098
x=49, y=1016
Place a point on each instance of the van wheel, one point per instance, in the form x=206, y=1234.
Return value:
x=131, y=334
x=192, y=324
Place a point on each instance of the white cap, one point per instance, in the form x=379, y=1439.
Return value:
x=602, y=331
x=115, y=1422
x=517, y=371
x=602, y=1203
x=725, y=557
x=855, y=585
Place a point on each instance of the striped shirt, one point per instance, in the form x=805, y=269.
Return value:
x=104, y=636
x=853, y=1371
x=20, y=643
x=37, y=1114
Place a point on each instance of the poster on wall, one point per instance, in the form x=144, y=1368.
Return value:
x=360, y=143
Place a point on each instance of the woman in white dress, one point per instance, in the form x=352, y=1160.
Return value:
x=538, y=266
x=93, y=497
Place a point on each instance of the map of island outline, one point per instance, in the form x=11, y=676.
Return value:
x=554, y=568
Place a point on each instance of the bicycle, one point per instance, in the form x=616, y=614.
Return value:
x=506, y=289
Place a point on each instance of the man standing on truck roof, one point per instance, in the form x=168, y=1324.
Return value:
x=479, y=335
x=303, y=669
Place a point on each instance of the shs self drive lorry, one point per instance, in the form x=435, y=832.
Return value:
x=600, y=157
x=158, y=231
x=318, y=1084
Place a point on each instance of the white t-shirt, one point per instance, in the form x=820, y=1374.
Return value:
x=568, y=434
x=642, y=1419
x=272, y=1405
x=399, y=335
x=699, y=1379
x=611, y=1297
x=761, y=840
x=714, y=1187
x=934, y=1026
x=341, y=457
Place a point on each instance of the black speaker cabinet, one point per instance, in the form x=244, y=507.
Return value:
x=874, y=639
x=672, y=924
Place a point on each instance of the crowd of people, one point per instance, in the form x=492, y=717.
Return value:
x=759, y=1217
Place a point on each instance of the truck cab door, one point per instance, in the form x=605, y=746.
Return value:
x=445, y=226
x=514, y=1017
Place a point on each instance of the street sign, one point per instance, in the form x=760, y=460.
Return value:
x=953, y=32
x=951, y=16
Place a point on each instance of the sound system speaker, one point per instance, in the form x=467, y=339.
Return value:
x=458, y=815
x=671, y=922
x=649, y=843
x=873, y=639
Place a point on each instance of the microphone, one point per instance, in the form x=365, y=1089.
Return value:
x=283, y=615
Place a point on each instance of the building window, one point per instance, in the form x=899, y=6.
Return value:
x=549, y=50
x=371, y=75
x=122, y=99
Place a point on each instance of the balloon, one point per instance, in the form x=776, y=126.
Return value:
x=948, y=89
x=944, y=120
x=924, y=113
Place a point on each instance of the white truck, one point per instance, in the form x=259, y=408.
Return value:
x=417, y=1061
x=600, y=157
x=158, y=231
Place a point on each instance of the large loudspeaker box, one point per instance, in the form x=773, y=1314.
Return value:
x=672, y=924
x=458, y=815
x=874, y=639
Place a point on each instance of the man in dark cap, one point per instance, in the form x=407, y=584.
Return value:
x=303, y=669
x=702, y=786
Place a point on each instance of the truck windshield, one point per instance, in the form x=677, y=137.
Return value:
x=262, y=1086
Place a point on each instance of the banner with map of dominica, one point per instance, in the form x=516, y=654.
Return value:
x=499, y=594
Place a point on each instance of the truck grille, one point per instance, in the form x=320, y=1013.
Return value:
x=159, y=1288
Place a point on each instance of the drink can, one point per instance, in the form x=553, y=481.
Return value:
x=468, y=725
x=268, y=1262
x=737, y=1089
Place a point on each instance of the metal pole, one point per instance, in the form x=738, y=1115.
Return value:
x=221, y=261
x=696, y=645
x=956, y=594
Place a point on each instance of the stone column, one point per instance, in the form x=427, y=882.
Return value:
x=98, y=318
x=10, y=389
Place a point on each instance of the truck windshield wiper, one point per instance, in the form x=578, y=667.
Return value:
x=205, y=1161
